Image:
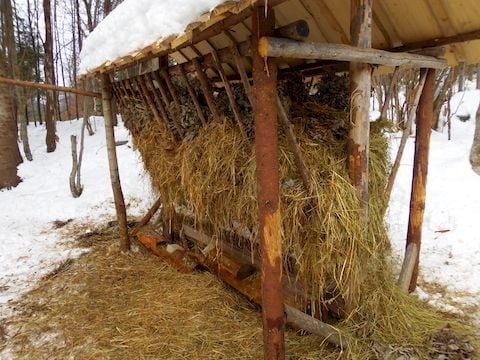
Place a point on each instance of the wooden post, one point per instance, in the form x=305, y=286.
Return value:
x=360, y=82
x=420, y=169
x=113, y=163
x=268, y=192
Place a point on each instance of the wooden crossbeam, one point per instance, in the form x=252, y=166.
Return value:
x=286, y=48
x=52, y=87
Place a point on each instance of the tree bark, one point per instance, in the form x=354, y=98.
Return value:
x=475, y=151
x=113, y=163
x=9, y=152
x=420, y=169
x=268, y=189
x=51, y=138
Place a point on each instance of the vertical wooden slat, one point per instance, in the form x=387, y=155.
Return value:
x=113, y=163
x=420, y=169
x=360, y=82
x=193, y=96
x=202, y=78
x=230, y=94
x=268, y=192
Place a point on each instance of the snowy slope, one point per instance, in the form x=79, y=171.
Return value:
x=28, y=246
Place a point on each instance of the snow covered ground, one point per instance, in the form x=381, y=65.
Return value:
x=30, y=246
x=450, y=253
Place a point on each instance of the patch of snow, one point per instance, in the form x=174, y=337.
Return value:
x=29, y=244
x=450, y=252
x=136, y=24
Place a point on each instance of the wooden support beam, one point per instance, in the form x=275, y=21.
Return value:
x=285, y=48
x=202, y=78
x=405, y=135
x=441, y=41
x=268, y=192
x=420, y=169
x=359, y=135
x=243, y=73
x=146, y=218
x=44, y=86
x=294, y=146
x=113, y=163
x=360, y=82
x=230, y=94
x=193, y=96
x=171, y=88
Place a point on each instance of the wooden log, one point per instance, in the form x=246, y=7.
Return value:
x=268, y=192
x=294, y=146
x=113, y=164
x=193, y=96
x=202, y=78
x=231, y=96
x=146, y=218
x=298, y=30
x=285, y=48
x=172, y=254
x=405, y=135
x=359, y=135
x=45, y=86
x=420, y=169
x=303, y=321
x=411, y=255
x=243, y=73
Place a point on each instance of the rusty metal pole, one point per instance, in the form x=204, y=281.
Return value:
x=420, y=169
x=113, y=163
x=360, y=83
x=268, y=192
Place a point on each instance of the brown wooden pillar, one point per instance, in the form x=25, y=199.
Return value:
x=268, y=192
x=420, y=169
x=113, y=163
x=360, y=83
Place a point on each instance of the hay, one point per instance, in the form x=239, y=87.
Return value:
x=325, y=247
x=109, y=305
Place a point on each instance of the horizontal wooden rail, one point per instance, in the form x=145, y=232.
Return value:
x=286, y=48
x=51, y=87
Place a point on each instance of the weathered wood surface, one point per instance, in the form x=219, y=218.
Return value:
x=405, y=135
x=146, y=218
x=286, y=48
x=411, y=255
x=420, y=168
x=44, y=86
x=113, y=163
x=268, y=189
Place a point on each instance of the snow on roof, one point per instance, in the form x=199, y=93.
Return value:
x=135, y=24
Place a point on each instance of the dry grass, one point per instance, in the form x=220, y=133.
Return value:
x=109, y=305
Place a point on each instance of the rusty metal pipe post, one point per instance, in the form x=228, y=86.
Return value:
x=420, y=168
x=268, y=189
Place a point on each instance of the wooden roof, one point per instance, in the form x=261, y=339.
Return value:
x=403, y=24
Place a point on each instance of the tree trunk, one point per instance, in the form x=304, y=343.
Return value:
x=113, y=164
x=475, y=151
x=9, y=153
x=50, y=79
